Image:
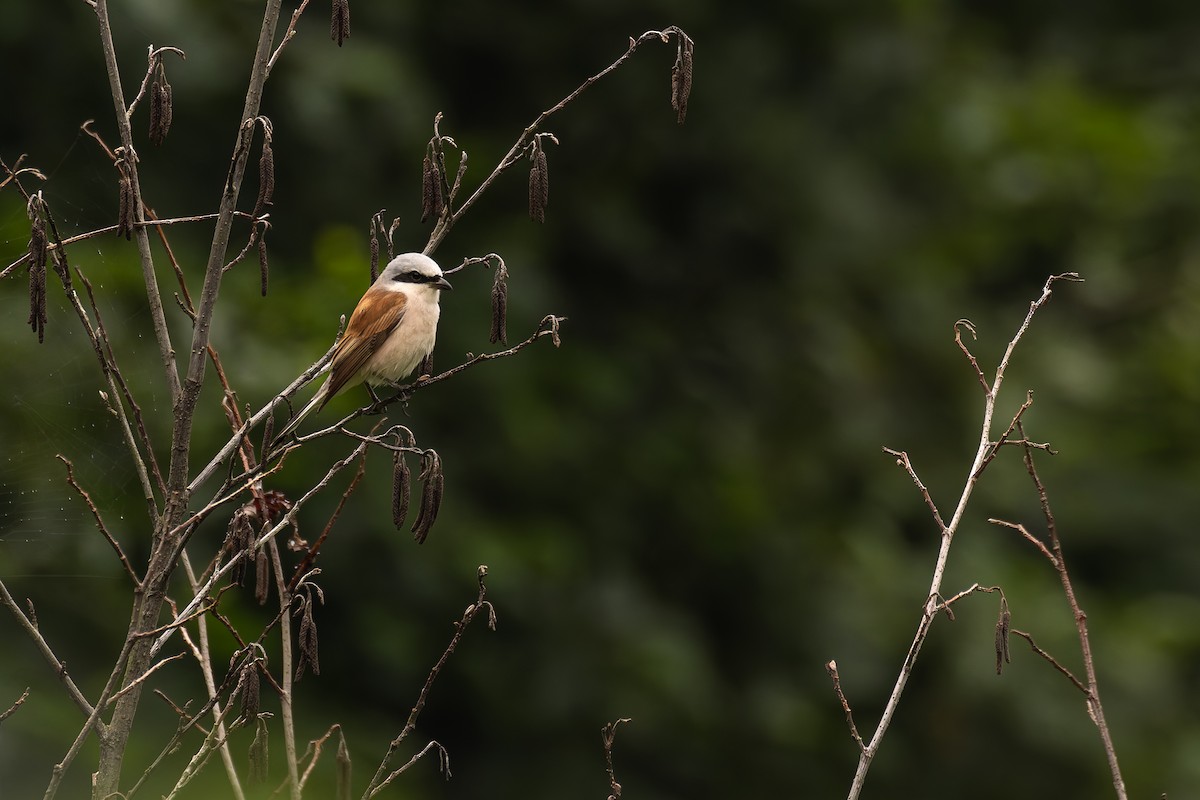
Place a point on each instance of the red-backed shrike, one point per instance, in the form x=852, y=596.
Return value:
x=391, y=331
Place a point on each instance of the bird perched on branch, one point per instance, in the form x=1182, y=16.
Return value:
x=391, y=331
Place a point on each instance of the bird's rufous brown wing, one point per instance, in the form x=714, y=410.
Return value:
x=375, y=317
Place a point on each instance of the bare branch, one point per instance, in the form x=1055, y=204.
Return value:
x=99, y=521
x=154, y=300
x=831, y=668
x=608, y=735
x=60, y=669
x=1095, y=708
x=1053, y=662
x=142, y=678
x=902, y=460
x=932, y=602
x=1036, y=542
x=517, y=151
x=379, y=781
x=153, y=58
x=17, y=704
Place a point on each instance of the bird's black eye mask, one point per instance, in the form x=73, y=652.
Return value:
x=413, y=276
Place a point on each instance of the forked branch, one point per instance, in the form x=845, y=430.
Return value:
x=983, y=454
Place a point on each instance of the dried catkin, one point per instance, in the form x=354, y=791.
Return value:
x=401, y=489
x=339, y=23
x=499, y=331
x=681, y=78
x=539, y=184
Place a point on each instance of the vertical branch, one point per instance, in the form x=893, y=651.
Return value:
x=161, y=333
x=185, y=409
x=150, y=594
x=1095, y=708
x=287, y=674
x=205, y=659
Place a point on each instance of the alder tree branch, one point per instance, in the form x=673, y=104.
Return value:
x=379, y=781
x=29, y=625
x=161, y=332
x=608, y=735
x=450, y=214
x=1054, y=555
x=986, y=446
x=169, y=492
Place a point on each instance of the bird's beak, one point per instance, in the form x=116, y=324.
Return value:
x=442, y=283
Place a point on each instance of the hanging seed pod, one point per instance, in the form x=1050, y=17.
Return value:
x=307, y=639
x=431, y=495
x=262, y=576
x=258, y=752
x=681, y=78
x=401, y=489
x=539, y=183
x=432, y=201
x=251, y=686
x=342, y=787
x=1003, y=626
x=339, y=23
x=160, y=105
x=125, y=212
x=262, y=259
x=499, y=331
x=376, y=221
x=266, y=173
x=239, y=537
x=37, y=269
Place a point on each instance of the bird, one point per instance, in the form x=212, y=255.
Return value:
x=391, y=331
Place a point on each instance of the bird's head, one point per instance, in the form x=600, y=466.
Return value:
x=413, y=269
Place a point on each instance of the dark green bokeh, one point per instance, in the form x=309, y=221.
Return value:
x=685, y=508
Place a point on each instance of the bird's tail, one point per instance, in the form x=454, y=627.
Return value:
x=317, y=401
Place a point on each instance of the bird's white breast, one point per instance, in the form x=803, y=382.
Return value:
x=410, y=342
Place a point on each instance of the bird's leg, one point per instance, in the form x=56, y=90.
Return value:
x=377, y=406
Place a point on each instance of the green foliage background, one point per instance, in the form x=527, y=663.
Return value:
x=685, y=508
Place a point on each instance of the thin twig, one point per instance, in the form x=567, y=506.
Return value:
x=1036, y=542
x=13, y=708
x=142, y=678
x=1053, y=662
x=60, y=669
x=966, y=324
x=314, y=747
x=143, y=436
x=287, y=34
x=379, y=781
x=152, y=58
x=109, y=229
x=443, y=766
x=311, y=554
x=99, y=520
x=902, y=460
x=516, y=152
x=1095, y=708
x=831, y=668
x=608, y=735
